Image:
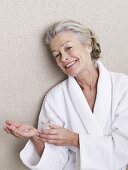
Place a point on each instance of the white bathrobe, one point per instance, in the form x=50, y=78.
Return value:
x=103, y=134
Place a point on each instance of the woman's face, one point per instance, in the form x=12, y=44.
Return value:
x=70, y=55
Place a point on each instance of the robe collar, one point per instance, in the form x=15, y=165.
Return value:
x=94, y=122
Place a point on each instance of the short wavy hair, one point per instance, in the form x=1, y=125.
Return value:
x=84, y=34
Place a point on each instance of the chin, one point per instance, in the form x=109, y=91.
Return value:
x=74, y=74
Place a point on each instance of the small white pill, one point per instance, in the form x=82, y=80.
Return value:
x=26, y=130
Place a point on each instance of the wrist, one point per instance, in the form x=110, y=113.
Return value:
x=75, y=142
x=34, y=139
x=38, y=145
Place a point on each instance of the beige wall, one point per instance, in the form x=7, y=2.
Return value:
x=26, y=69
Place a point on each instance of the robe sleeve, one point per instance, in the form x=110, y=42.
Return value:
x=108, y=152
x=53, y=157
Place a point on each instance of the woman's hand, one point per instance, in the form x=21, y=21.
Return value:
x=59, y=136
x=24, y=131
x=19, y=130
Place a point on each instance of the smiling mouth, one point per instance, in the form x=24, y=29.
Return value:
x=70, y=64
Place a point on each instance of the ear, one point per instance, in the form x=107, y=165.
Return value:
x=89, y=45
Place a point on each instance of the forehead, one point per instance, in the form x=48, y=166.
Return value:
x=63, y=38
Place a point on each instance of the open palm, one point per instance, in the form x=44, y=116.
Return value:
x=20, y=130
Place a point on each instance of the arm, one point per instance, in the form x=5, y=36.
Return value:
x=38, y=145
x=51, y=152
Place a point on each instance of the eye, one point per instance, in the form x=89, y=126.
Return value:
x=68, y=48
x=57, y=55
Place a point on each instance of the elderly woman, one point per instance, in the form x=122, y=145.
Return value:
x=83, y=120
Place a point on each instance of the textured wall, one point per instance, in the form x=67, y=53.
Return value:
x=27, y=70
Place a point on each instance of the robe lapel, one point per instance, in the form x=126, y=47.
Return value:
x=102, y=109
x=82, y=108
x=94, y=123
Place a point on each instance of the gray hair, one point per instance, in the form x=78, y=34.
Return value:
x=84, y=34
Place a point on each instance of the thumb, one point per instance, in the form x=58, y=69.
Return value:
x=53, y=126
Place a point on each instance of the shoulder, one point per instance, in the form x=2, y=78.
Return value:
x=119, y=81
x=119, y=78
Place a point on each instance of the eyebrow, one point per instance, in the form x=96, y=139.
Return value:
x=60, y=46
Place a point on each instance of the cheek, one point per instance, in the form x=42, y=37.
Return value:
x=59, y=64
x=78, y=53
x=75, y=54
x=61, y=67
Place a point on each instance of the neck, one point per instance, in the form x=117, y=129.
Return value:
x=88, y=78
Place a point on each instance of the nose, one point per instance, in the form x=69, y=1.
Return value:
x=64, y=57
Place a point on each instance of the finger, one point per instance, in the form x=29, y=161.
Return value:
x=37, y=138
x=17, y=135
x=39, y=131
x=7, y=130
x=12, y=122
x=12, y=128
x=54, y=142
x=49, y=137
x=53, y=126
x=8, y=122
x=50, y=131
